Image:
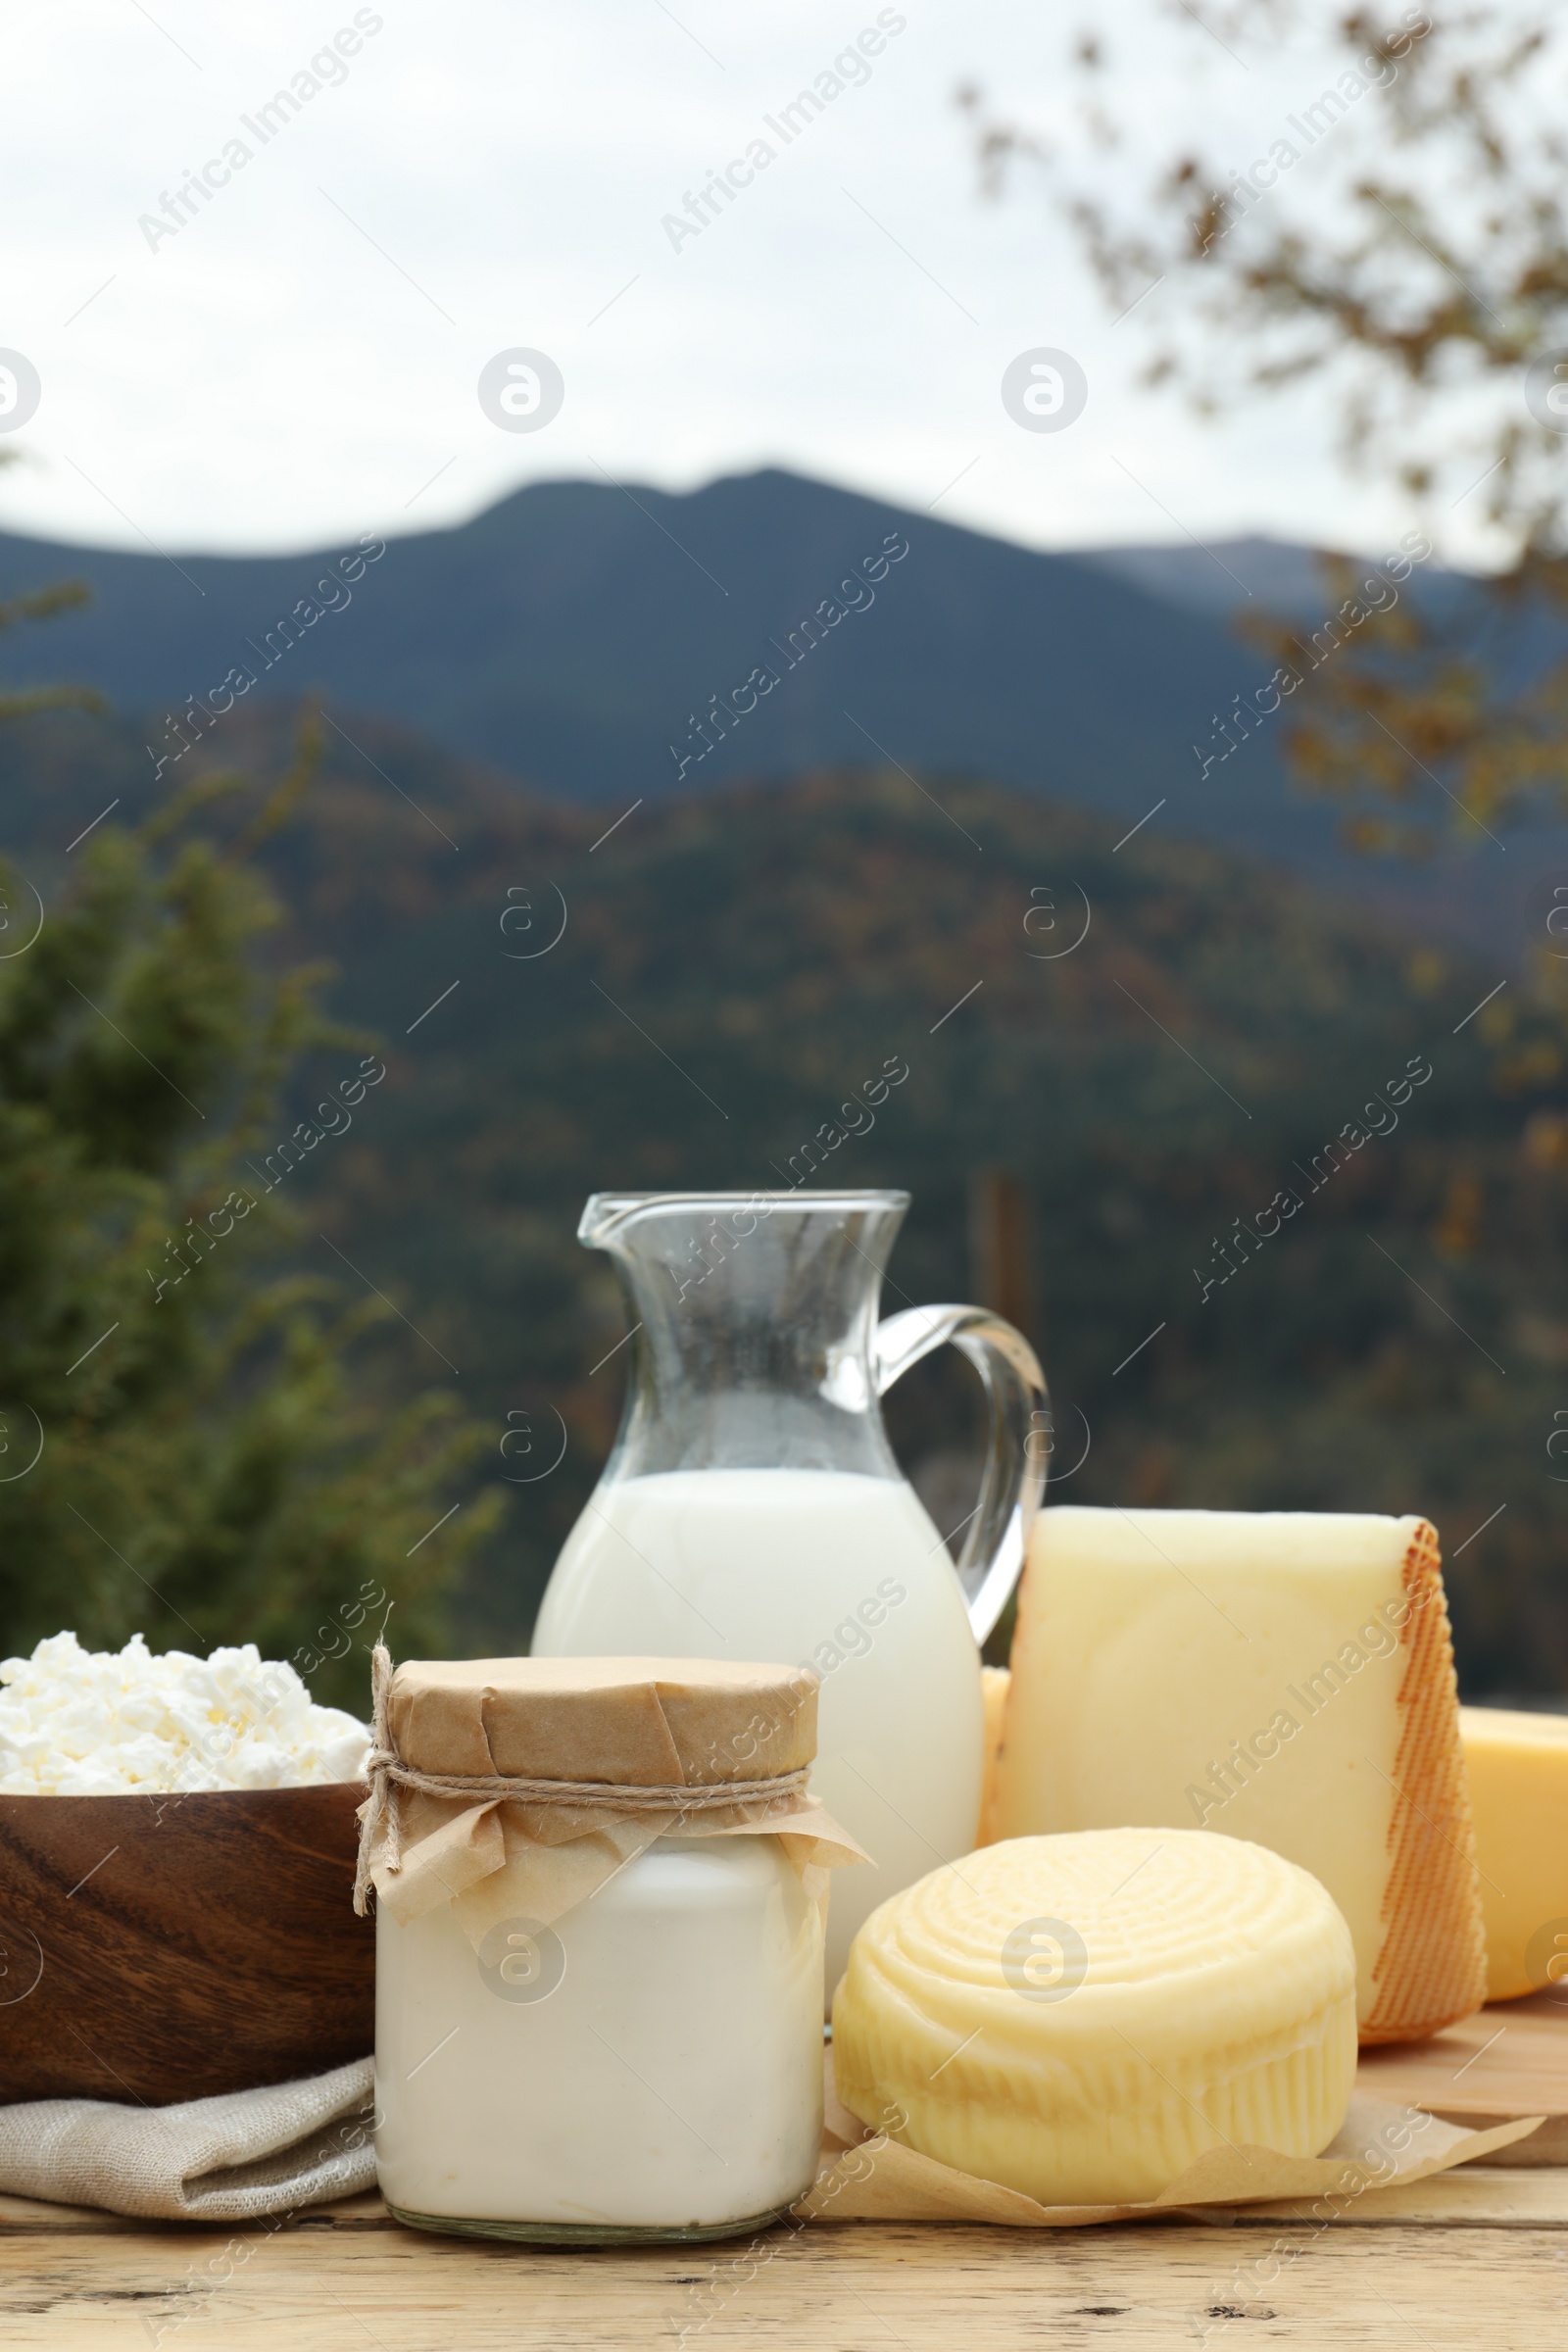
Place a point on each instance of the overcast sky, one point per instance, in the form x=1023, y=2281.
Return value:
x=301, y=358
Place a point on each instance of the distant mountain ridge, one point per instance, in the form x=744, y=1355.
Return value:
x=574, y=631
x=1222, y=577
x=608, y=645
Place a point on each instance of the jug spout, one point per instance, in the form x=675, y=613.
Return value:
x=605, y=1214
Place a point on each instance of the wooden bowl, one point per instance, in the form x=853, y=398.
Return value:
x=159, y=1948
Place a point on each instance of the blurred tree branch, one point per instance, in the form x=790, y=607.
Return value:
x=1419, y=274
x=42, y=604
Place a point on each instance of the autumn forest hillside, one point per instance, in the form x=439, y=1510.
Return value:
x=1295, y=1210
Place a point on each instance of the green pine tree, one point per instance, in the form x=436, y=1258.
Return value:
x=189, y=1442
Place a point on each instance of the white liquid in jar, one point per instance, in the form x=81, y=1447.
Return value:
x=669, y=2078
x=821, y=1568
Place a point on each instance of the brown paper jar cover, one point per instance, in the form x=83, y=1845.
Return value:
x=634, y=1721
x=595, y=1727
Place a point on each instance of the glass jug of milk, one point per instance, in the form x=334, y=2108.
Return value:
x=752, y=1508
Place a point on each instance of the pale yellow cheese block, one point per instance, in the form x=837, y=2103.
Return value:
x=1517, y=1768
x=1280, y=1676
x=1082, y=2016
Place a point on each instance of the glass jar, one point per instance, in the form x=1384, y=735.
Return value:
x=652, y=2067
x=601, y=1885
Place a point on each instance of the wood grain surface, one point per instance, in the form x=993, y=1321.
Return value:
x=1469, y=2258
x=164, y=1948
x=325, y=2285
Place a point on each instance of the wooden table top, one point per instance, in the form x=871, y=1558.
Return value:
x=1474, y=2260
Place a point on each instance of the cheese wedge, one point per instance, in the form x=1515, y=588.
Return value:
x=1517, y=1767
x=1082, y=2016
x=1286, y=1677
x=994, y=1681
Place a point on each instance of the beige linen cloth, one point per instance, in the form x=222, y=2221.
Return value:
x=229, y=2159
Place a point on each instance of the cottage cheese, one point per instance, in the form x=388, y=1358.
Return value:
x=105, y=1723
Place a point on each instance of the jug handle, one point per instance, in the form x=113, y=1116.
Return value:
x=1013, y=1484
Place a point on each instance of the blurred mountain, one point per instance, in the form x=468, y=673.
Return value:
x=1223, y=577
x=1154, y=1042
x=613, y=644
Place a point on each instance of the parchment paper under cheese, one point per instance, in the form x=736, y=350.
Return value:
x=869, y=2176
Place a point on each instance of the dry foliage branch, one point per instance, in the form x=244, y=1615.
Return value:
x=1419, y=274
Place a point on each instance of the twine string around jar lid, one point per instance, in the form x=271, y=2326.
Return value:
x=388, y=1775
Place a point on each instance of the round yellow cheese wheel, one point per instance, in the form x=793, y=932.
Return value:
x=1080, y=2017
